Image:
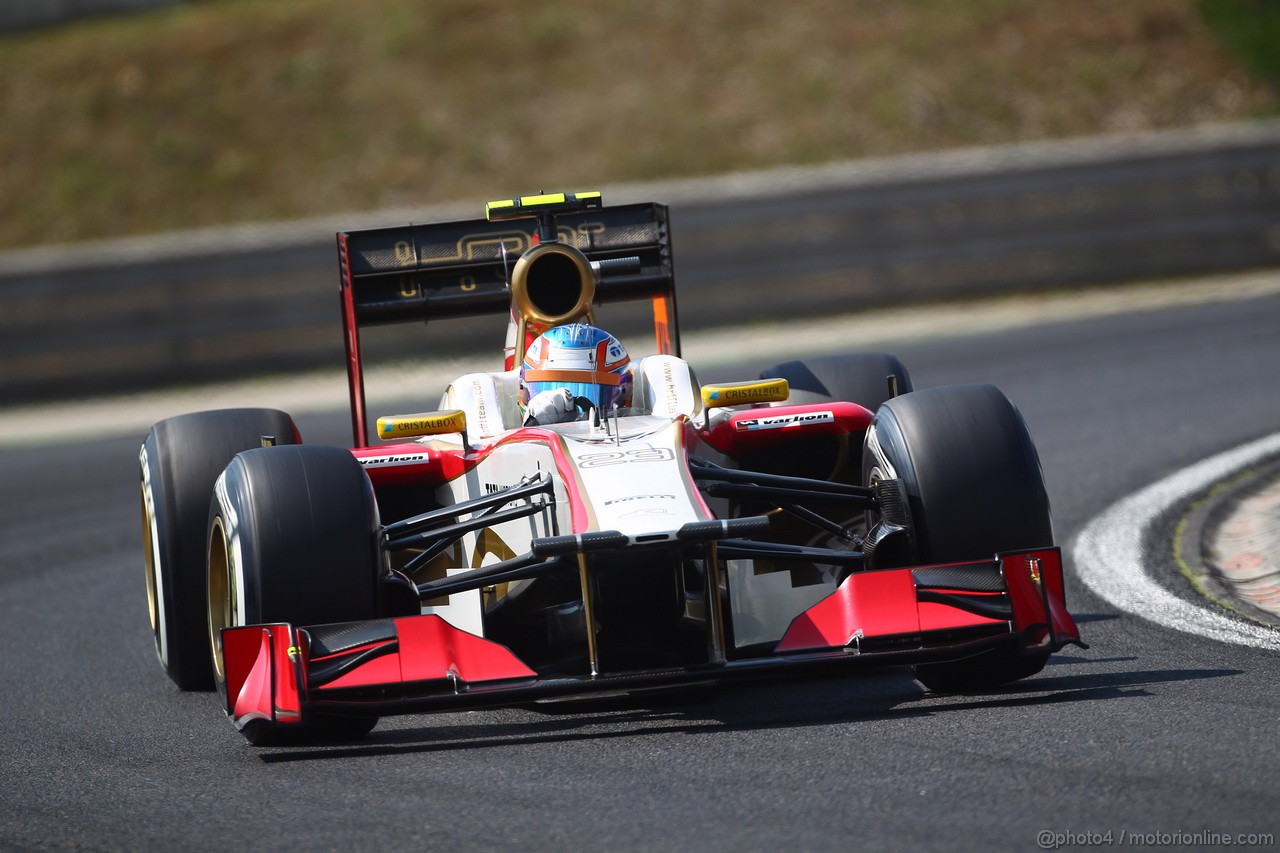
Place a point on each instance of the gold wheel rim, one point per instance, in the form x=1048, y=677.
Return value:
x=220, y=589
x=149, y=562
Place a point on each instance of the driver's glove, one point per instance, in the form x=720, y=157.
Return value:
x=549, y=407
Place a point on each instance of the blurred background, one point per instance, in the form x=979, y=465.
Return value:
x=956, y=149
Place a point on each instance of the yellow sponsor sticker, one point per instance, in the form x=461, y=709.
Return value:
x=745, y=393
x=428, y=423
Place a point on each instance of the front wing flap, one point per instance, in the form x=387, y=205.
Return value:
x=280, y=674
x=1019, y=593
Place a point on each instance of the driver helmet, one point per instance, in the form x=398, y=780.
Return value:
x=588, y=361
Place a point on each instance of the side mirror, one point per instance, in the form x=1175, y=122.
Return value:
x=745, y=393
x=428, y=423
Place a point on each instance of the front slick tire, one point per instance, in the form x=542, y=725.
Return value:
x=975, y=488
x=293, y=538
x=180, y=460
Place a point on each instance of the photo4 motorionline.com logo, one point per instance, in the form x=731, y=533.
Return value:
x=1047, y=839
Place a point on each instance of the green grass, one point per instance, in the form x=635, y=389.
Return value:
x=243, y=110
x=1250, y=30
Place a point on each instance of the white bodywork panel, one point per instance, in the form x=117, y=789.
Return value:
x=632, y=478
x=665, y=386
x=489, y=400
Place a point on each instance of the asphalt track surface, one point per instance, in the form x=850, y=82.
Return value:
x=1150, y=731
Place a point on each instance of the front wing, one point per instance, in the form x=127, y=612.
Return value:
x=280, y=675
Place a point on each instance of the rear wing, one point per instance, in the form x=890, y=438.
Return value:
x=419, y=273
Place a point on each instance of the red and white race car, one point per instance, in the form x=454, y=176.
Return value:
x=823, y=517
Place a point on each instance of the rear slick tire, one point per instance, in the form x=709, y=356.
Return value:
x=861, y=378
x=293, y=537
x=180, y=460
x=975, y=489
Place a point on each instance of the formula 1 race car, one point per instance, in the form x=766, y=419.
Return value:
x=822, y=517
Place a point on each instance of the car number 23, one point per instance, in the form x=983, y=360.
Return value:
x=618, y=457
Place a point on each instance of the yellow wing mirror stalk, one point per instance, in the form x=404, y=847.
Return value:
x=391, y=427
x=745, y=393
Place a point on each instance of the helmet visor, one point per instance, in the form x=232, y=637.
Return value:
x=603, y=395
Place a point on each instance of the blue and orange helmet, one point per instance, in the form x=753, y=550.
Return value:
x=588, y=361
